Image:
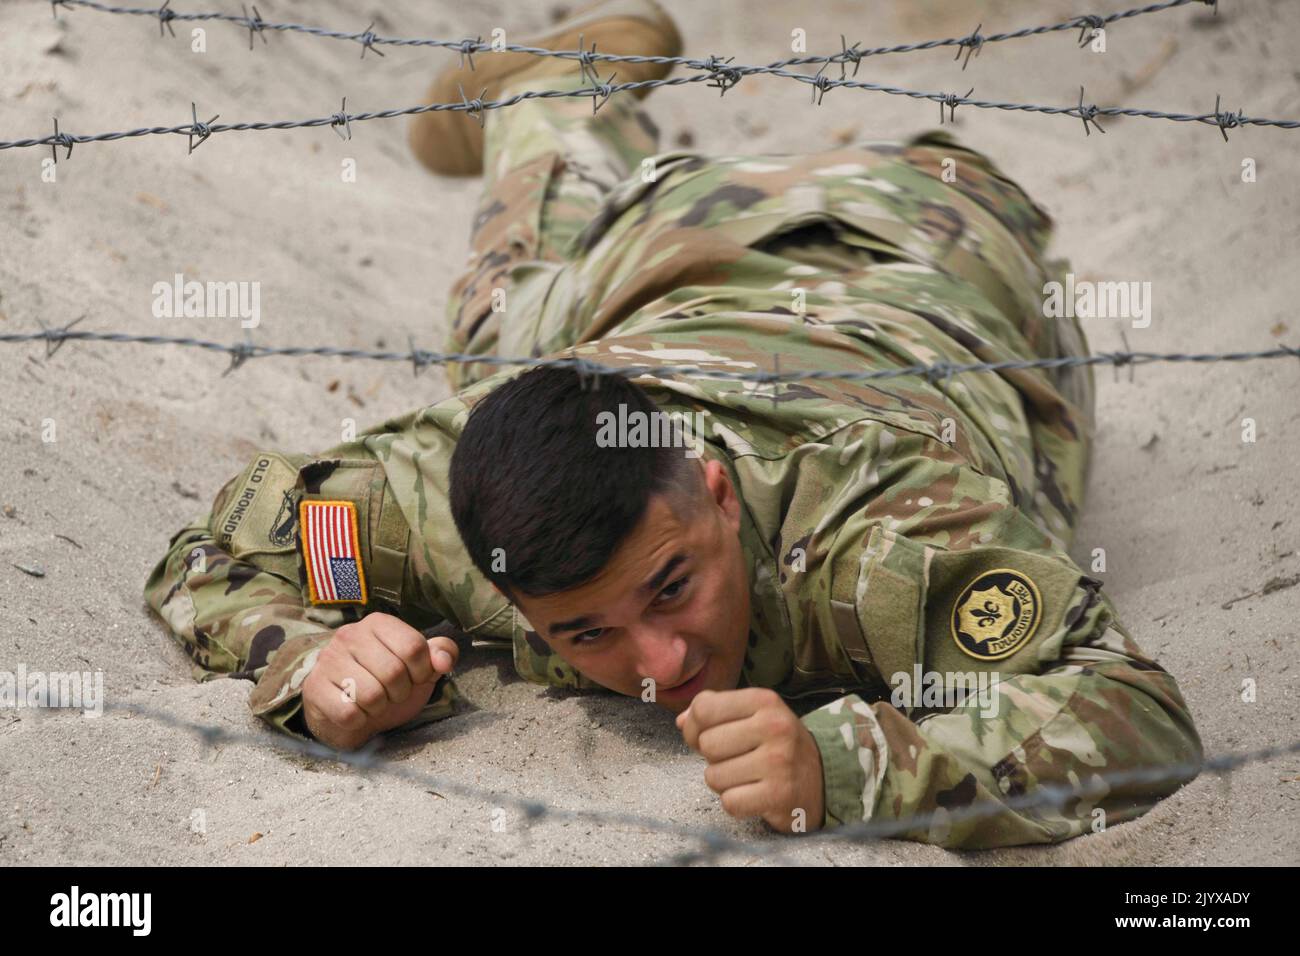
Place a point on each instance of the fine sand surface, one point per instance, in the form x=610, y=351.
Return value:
x=1189, y=515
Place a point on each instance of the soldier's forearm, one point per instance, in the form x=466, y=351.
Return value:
x=235, y=619
x=1100, y=714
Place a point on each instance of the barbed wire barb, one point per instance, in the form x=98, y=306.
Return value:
x=199, y=129
x=722, y=77
x=1088, y=114
x=1117, y=359
x=971, y=44
x=54, y=338
x=1225, y=121
x=604, y=91
x=467, y=50
x=60, y=139
x=849, y=53
x=241, y=353
x=367, y=41
x=820, y=84
x=418, y=360
x=473, y=107
x=587, y=73
x=341, y=118
x=952, y=101
x=1089, y=22
x=255, y=25
x=1127, y=351
x=940, y=371
x=165, y=18
x=585, y=57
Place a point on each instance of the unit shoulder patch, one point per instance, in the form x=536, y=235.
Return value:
x=996, y=614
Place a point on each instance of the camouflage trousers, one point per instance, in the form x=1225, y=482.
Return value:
x=552, y=169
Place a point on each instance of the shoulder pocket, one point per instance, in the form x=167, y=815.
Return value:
x=982, y=609
x=261, y=520
x=998, y=609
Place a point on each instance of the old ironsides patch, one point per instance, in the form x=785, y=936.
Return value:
x=996, y=614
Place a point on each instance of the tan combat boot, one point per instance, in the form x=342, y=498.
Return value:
x=451, y=143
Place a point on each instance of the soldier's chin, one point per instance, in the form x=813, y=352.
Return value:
x=674, y=707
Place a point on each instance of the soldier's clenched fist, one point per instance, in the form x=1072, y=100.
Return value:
x=372, y=676
x=763, y=761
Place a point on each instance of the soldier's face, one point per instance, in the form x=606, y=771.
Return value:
x=672, y=605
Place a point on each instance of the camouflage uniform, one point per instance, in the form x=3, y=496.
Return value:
x=887, y=526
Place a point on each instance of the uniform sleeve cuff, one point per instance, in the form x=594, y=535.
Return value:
x=851, y=770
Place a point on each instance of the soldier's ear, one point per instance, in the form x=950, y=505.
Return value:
x=722, y=493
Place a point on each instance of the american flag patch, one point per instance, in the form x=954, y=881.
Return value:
x=332, y=551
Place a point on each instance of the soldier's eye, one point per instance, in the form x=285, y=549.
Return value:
x=675, y=589
x=586, y=637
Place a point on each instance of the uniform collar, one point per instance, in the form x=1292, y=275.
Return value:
x=769, y=654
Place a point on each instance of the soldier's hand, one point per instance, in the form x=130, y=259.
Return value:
x=372, y=676
x=763, y=761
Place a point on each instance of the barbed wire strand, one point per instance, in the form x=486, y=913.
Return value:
x=420, y=358
x=972, y=41
x=1222, y=119
x=715, y=843
x=715, y=72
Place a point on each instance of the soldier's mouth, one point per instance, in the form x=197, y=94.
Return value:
x=687, y=688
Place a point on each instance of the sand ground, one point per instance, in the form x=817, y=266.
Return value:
x=1190, y=516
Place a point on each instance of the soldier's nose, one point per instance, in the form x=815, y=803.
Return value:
x=660, y=655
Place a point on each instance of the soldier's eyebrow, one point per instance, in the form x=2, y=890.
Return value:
x=657, y=581
x=581, y=623
x=584, y=622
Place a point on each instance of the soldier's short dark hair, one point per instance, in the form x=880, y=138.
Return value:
x=531, y=486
